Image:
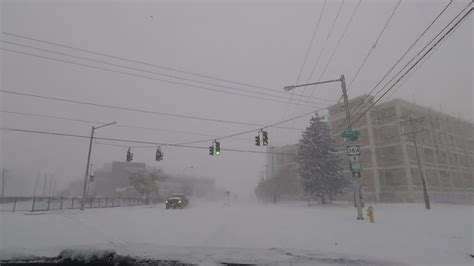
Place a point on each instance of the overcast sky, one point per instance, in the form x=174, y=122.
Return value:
x=260, y=42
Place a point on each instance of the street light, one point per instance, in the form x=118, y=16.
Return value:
x=86, y=176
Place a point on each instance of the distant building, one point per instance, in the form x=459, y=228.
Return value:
x=115, y=181
x=390, y=170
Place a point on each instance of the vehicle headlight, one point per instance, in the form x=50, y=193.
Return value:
x=179, y=201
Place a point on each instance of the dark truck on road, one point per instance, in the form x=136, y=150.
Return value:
x=176, y=202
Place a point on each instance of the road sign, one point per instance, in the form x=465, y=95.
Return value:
x=353, y=149
x=356, y=167
x=350, y=133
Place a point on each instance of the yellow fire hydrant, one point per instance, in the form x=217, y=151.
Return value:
x=370, y=214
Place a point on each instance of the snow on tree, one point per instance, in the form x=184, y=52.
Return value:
x=146, y=182
x=319, y=164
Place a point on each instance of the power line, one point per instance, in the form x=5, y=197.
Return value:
x=138, y=110
x=421, y=58
x=144, y=63
x=406, y=52
x=311, y=42
x=338, y=42
x=290, y=100
x=325, y=42
x=141, y=76
x=321, y=51
x=130, y=141
x=375, y=44
x=101, y=122
x=152, y=72
x=416, y=69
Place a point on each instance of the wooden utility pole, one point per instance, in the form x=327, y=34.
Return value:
x=44, y=184
x=413, y=122
x=356, y=176
x=3, y=182
x=36, y=184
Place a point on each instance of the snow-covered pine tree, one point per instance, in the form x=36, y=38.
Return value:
x=319, y=164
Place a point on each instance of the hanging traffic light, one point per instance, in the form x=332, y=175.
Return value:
x=218, y=148
x=257, y=139
x=129, y=155
x=265, y=138
x=159, y=154
x=211, y=149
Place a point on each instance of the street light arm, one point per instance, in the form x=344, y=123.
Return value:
x=288, y=88
x=105, y=125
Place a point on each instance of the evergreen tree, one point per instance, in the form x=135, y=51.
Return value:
x=320, y=165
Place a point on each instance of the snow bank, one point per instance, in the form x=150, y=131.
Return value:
x=403, y=233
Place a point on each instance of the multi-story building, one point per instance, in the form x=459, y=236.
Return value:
x=282, y=164
x=388, y=156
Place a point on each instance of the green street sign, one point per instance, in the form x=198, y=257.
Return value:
x=356, y=167
x=350, y=134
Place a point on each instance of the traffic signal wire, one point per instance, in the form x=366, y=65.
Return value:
x=156, y=144
x=138, y=110
x=257, y=129
x=149, y=64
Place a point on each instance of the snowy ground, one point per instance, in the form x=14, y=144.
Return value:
x=274, y=234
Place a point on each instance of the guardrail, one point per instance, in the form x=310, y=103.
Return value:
x=32, y=204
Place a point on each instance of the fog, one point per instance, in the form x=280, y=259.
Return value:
x=261, y=43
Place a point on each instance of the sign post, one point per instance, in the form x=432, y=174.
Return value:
x=353, y=152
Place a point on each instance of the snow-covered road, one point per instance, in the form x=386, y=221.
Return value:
x=403, y=233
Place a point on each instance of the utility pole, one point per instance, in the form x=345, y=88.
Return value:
x=414, y=133
x=44, y=184
x=356, y=176
x=50, y=185
x=274, y=177
x=3, y=182
x=36, y=184
x=86, y=175
x=355, y=166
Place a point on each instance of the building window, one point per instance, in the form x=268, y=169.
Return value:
x=445, y=178
x=431, y=177
x=428, y=155
x=442, y=156
x=395, y=177
x=411, y=153
x=384, y=115
x=467, y=180
x=415, y=176
x=389, y=156
x=387, y=134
